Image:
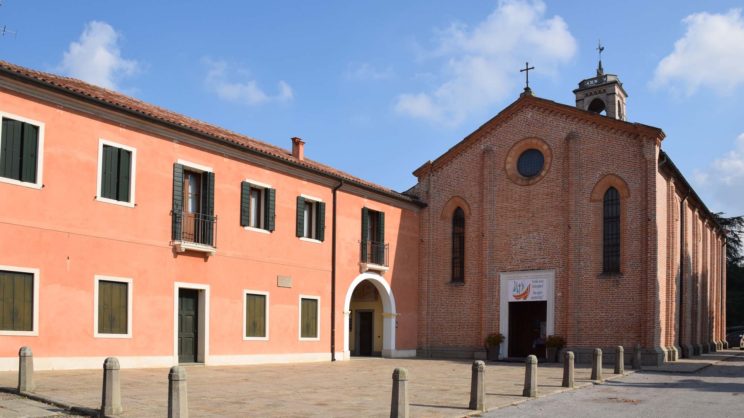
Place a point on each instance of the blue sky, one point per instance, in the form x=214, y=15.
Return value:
x=378, y=88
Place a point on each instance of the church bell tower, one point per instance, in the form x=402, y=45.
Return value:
x=603, y=94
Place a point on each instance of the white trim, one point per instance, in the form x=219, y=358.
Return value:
x=182, y=246
x=313, y=240
x=132, y=173
x=8, y=364
x=195, y=166
x=259, y=230
x=403, y=353
x=257, y=183
x=261, y=207
x=96, y=279
x=313, y=198
x=203, y=347
x=299, y=318
x=389, y=315
x=549, y=277
x=35, y=327
x=39, y=152
x=266, y=314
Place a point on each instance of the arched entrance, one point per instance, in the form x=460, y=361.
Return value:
x=372, y=299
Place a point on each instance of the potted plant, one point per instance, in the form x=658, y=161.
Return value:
x=553, y=344
x=493, y=341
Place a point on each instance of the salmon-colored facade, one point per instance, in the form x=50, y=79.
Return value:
x=64, y=233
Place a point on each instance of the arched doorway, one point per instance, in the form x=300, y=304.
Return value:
x=369, y=313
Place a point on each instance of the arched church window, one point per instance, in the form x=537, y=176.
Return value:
x=611, y=231
x=458, y=246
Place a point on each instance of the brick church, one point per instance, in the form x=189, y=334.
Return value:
x=136, y=232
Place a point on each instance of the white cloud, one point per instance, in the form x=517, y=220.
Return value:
x=479, y=64
x=724, y=180
x=96, y=57
x=365, y=72
x=710, y=54
x=247, y=91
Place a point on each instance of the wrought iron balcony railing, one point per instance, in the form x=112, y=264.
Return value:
x=372, y=252
x=194, y=228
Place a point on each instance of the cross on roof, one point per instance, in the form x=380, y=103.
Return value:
x=526, y=71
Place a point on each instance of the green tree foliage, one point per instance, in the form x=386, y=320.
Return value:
x=734, y=228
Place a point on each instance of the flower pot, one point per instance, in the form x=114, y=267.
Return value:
x=493, y=353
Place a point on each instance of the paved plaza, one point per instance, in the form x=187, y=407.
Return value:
x=360, y=387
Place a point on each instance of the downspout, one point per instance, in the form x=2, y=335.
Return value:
x=333, y=276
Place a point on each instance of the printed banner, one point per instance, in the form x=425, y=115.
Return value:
x=527, y=290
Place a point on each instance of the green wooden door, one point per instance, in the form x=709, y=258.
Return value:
x=188, y=325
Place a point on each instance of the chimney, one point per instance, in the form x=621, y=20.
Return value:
x=298, y=148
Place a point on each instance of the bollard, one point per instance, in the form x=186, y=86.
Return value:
x=568, y=369
x=530, y=377
x=25, y=370
x=478, y=386
x=597, y=365
x=619, y=360
x=399, y=404
x=111, y=399
x=637, y=357
x=178, y=404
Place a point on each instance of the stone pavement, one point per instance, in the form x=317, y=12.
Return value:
x=360, y=387
x=14, y=406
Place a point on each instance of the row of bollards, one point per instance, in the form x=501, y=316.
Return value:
x=111, y=394
x=399, y=407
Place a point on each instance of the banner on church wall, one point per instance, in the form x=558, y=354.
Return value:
x=527, y=290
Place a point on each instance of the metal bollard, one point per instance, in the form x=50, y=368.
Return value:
x=530, y=377
x=637, y=357
x=25, y=370
x=111, y=399
x=178, y=404
x=619, y=360
x=478, y=386
x=568, y=369
x=399, y=403
x=597, y=365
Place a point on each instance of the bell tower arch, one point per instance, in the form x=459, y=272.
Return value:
x=602, y=94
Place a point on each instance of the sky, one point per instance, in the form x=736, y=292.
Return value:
x=378, y=88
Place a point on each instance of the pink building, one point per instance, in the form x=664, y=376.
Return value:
x=135, y=232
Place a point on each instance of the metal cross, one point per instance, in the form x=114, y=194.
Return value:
x=600, y=48
x=526, y=71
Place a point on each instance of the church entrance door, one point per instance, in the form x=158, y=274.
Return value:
x=527, y=328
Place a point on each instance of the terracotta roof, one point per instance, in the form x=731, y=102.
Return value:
x=528, y=100
x=121, y=102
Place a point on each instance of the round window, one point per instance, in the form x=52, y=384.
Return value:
x=530, y=163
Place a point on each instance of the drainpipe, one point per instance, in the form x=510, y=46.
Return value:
x=333, y=276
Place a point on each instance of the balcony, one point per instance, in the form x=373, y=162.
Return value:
x=373, y=256
x=194, y=232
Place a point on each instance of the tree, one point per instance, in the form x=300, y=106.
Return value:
x=734, y=229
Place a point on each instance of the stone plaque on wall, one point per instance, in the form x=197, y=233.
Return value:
x=283, y=281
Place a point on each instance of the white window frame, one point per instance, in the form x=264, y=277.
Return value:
x=96, y=280
x=132, y=173
x=299, y=318
x=262, y=218
x=35, y=327
x=266, y=314
x=314, y=218
x=39, y=155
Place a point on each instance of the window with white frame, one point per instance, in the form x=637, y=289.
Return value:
x=19, y=301
x=256, y=317
x=21, y=150
x=309, y=317
x=310, y=218
x=257, y=205
x=113, y=307
x=116, y=173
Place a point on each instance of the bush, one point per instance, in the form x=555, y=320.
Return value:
x=555, y=341
x=494, y=339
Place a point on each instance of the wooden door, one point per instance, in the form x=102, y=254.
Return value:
x=191, y=205
x=365, y=322
x=188, y=325
x=526, y=325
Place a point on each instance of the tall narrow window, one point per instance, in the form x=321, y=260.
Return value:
x=16, y=301
x=256, y=316
x=308, y=318
x=458, y=246
x=116, y=173
x=611, y=232
x=310, y=218
x=113, y=315
x=19, y=150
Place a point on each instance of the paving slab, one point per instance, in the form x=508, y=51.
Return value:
x=695, y=364
x=359, y=387
x=14, y=406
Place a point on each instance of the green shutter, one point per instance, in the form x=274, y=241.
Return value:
x=270, y=212
x=380, y=248
x=30, y=149
x=10, y=166
x=255, y=321
x=208, y=207
x=299, y=227
x=245, y=197
x=320, y=232
x=110, y=172
x=365, y=236
x=177, y=219
x=112, y=307
x=16, y=301
x=309, y=318
x=124, y=175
